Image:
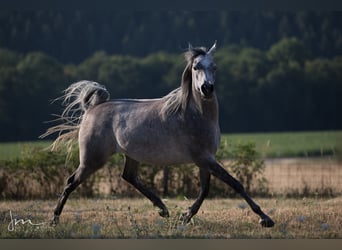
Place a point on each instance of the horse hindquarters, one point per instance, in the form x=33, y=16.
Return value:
x=94, y=150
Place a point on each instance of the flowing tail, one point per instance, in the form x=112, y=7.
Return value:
x=77, y=99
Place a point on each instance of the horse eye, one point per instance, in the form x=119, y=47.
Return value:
x=197, y=66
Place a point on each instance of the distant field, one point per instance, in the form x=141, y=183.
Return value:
x=292, y=144
x=275, y=145
x=12, y=150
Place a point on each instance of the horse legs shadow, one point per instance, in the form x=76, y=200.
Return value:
x=130, y=174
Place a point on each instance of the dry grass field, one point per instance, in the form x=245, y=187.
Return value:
x=305, y=218
x=304, y=199
x=301, y=176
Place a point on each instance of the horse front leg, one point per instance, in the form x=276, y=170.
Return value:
x=205, y=184
x=219, y=172
x=131, y=176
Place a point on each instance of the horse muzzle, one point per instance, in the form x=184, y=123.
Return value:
x=207, y=89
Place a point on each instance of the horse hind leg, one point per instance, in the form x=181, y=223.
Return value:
x=90, y=161
x=81, y=173
x=77, y=178
x=131, y=176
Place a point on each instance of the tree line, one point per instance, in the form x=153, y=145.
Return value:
x=71, y=36
x=283, y=88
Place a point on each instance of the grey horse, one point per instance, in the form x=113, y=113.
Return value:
x=181, y=127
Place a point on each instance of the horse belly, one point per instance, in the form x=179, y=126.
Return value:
x=160, y=159
x=154, y=149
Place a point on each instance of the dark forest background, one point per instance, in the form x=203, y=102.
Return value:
x=278, y=71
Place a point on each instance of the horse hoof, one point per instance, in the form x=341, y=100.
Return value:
x=54, y=222
x=164, y=213
x=266, y=222
x=185, y=218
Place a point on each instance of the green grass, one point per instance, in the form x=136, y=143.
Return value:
x=13, y=150
x=289, y=144
x=292, y=144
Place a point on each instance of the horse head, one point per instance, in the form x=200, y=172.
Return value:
x=203, y=71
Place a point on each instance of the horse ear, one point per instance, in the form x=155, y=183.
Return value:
x=190, y=47
x=212, y=49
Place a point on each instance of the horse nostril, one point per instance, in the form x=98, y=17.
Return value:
x=211, y=88
x=207, y=88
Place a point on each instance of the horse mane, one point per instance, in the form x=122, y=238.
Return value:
x=177, y=100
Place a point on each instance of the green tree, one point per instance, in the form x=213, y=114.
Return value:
x=8, y=58
x=288, y=50
x=8, y=79
x=27, y=90
x=89, y=69
x=324, y=80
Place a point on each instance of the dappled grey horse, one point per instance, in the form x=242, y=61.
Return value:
x=181, y=127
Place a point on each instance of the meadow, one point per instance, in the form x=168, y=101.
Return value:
x=292, y=144
x=303, y=172
x=306, y=218
x=13, y=150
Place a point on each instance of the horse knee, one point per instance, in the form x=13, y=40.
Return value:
x=71, y=179
x=81, y=173
x=126, y=177
x=130, y=178
x=237, y=186
x=205, y=192
x=220, y=173
x=130, y=171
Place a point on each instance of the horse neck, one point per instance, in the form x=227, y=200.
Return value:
x=207, y=107
x=210, y=108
